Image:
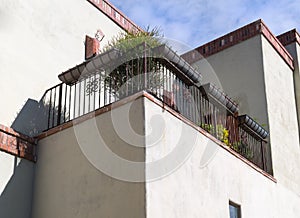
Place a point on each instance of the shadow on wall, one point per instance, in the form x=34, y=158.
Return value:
x=32, y=119
x=16, y=198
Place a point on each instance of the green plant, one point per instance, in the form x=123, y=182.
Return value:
x=223, y=134
x=207, y=127
x=129, y=40
x=136, y=69
x=219, y=131
x=243, y=149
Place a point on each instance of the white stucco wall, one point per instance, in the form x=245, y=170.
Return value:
x=16, y=184
x=6, y=169
x=41, y=39
x=68, y=185
x=283, y=124
x=197, y=189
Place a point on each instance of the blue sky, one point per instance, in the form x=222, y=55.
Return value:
x=194, y=22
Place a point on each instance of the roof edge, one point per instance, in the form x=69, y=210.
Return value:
x=289, y=37
x=239, y=35
x=115, y=15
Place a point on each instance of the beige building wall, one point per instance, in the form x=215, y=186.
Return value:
x=68, y=182
x=284, y=137
x=257, y=77
x=187, y=174
x=294, y=50
x=41, y=39
x=238, y=71
x=203, y=185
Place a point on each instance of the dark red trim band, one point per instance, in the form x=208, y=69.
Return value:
x=235, y=37
x=17, y=144
x=289, y=37
x=115, y=15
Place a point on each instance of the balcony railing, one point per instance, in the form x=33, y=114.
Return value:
x=159, y=71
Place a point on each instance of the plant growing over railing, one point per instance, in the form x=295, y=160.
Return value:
x=129, y=40
x=137, y=67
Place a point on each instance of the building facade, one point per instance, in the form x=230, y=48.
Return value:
x=164, y=140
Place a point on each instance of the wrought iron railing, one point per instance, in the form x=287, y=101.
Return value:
x=204, y=105
x=253, y=148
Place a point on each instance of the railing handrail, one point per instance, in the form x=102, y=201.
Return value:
x=47, y=90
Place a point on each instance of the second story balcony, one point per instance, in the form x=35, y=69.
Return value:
x=159, y=71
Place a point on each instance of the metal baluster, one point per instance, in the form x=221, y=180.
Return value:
x=59, y=107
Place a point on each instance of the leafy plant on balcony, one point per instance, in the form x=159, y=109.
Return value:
x=243, y=149
x=219, y=131
x=138, y=70
x=207, y=127
x=129, y=40
x=223, y=134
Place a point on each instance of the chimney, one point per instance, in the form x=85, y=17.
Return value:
x=92, y=47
